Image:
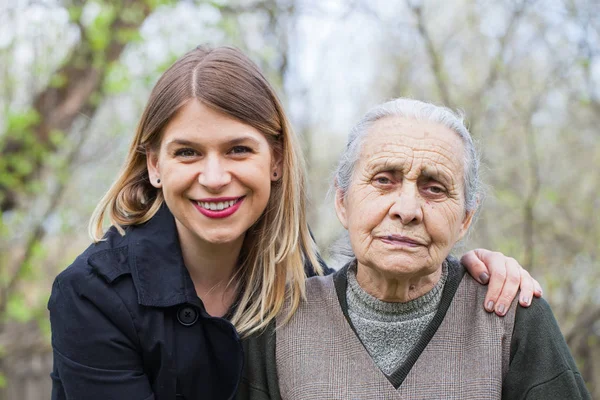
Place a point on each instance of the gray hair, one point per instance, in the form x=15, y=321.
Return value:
x=420, y=111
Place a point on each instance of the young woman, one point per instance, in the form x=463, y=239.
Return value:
x=208, y=239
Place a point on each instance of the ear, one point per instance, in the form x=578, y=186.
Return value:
x=153, y=168
x=340, y=207
x=276, y=164
x=466, y=223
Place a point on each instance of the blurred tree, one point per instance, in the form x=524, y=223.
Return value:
x=526, y=73
x=74, y=89
x=40, y=143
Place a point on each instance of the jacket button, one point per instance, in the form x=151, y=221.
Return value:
x=187, y=316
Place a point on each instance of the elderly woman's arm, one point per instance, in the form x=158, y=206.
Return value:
x=541, y=365
x=505, y=276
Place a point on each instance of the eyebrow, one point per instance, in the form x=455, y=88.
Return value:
x=428, y=171
x=433, y=173
x=232, y=142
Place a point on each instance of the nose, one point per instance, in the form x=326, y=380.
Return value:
x=407, y=206
x=214, y=175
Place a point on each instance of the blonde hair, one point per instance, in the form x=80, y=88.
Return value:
x=276, y=247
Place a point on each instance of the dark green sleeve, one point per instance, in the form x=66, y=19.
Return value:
x=541, y=365
x=259, y=378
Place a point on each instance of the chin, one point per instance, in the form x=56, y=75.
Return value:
x=404, y=265
x=222, y=239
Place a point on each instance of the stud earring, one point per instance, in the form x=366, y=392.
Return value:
x=275, y=174
x=158, y=180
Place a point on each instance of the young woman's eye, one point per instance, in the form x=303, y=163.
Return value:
x=240, y=150
x=186, y=153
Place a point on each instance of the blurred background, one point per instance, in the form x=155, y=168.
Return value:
x=75, y=75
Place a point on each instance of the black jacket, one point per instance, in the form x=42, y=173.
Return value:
x=127, y=324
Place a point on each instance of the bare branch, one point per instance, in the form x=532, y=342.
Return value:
x=532, y=196
x=496, y=64
x=584, y=323
x=434, y=57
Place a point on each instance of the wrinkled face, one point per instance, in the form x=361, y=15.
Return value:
x=405, y=207
x=215, y=173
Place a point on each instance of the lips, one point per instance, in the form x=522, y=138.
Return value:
x=401, y=240
x=221, y=207
x=217, y=205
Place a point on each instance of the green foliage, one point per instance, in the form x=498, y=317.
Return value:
x=2, y=380
x=27, y=151
x=96, y=98
x=508, y=197
x=18, y=122
x=551, y=195
x=133, y=14
x=17, y=309
x=217, y=3
x=8, y=180
x=117, y=79
x=4, y=231
x=99, y=31
x=75, y=13
x=29, y=270
x=229, y=26
x=57, y=137
x=58, y=81
x=44, y=325
x=128, y=35
x=157, y=3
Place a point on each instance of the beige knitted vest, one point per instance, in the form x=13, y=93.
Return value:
x=320, y=357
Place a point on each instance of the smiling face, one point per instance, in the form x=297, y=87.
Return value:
x=215, y=174
x=405, y=207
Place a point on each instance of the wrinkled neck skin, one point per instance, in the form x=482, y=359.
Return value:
x=395, y=288
x=211, y=267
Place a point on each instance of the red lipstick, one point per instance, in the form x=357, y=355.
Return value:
x=224, y=213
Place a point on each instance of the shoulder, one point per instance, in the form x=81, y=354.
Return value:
x=541, y=364
x=538, y=312
x=91, y=279
x=87, y=312
x=536, y=328
x=317, y=287
x=110, y=251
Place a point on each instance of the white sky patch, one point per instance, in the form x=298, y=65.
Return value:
x=333, y=63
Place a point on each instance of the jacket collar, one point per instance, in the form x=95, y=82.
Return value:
x=151, y=253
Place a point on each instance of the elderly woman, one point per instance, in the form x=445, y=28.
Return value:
x=402, y=319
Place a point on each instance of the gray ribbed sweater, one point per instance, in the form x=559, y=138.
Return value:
x=390, y=330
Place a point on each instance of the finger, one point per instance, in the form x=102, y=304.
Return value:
x=496, y=265
x=527, y=288
x=538, y=292
x=475, y=266
x=510, y=288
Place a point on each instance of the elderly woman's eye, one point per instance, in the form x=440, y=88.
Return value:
x=436, y=189
x=382, y=180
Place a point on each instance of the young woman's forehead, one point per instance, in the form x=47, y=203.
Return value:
x=196, y=122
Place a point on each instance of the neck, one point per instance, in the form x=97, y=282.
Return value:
x=394, y=288
x=211, y=267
